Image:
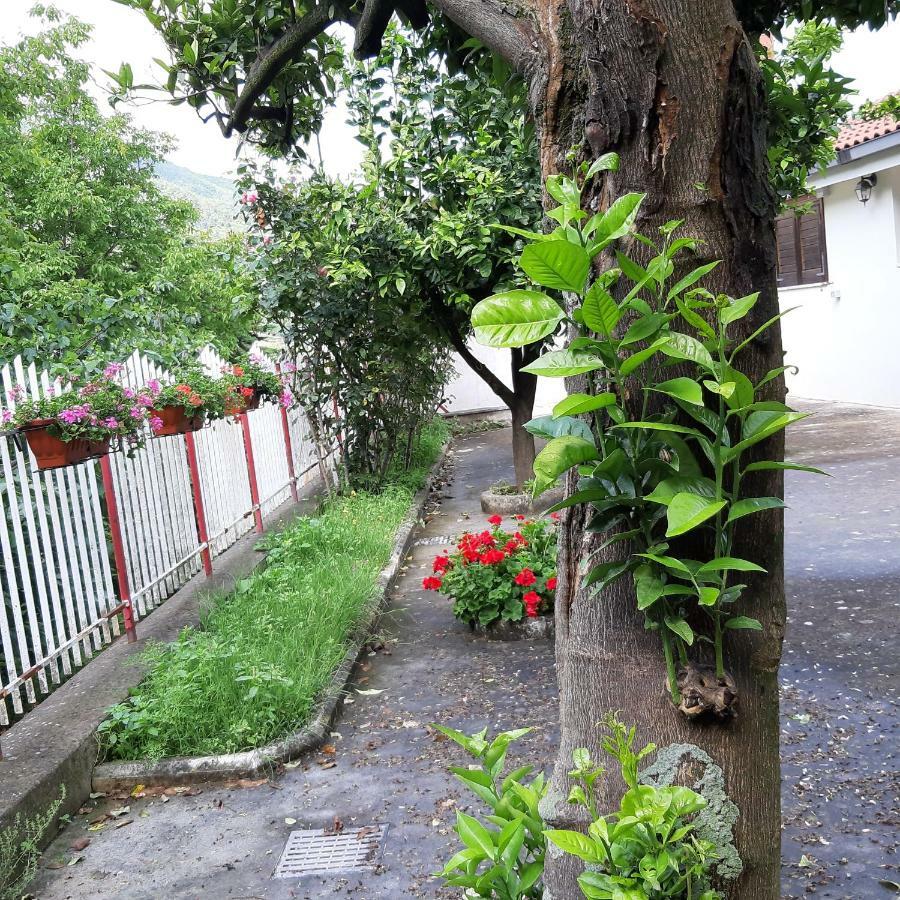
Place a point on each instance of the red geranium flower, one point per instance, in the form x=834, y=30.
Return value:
x=441, y=564
x=520, y=517
x=511, y=546
x=525, y=578
x=495, y=520
x=551, y=583
x=554, y=516
x=489, y=557
x=431, y=583
x=532, y=601
x=521, y=539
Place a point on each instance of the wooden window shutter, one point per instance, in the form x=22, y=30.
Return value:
x=800, y=245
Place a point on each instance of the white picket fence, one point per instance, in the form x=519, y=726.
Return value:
x=87, y=545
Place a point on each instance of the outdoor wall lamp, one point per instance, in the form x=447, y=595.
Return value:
x=864, y=187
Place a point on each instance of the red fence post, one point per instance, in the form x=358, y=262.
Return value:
x=198, y=502
x=115, y=531
x=251, y=472
x=288, y=445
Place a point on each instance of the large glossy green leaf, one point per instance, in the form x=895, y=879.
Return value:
x=515, y=318
x=681, y=628
x=599, y=310
x=760, y=425
x=558, y=456
x=683, y=346
x=589, y=495
x=576, y=843
x=563, y=364
x=684, y=283
x=729, y=563
x=666, y=490
x=661, y=426
x=639, y=358
x=576, y=404
x=608, y=162
x=768, y=465
x=683, y=388
x=753, y=504
x=737, y=309
x=767, y=324
x=744, y=622
x=694, y=318
x=616, y=222
x=556, y=264
x=475, y=835
x=687, y=511
x=549, y=427
x=647, y=586
x=643, y=328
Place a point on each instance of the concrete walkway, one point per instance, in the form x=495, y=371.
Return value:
x=383, y=766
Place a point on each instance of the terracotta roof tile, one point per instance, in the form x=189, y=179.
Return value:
x=858, y=131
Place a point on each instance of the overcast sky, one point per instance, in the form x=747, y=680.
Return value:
x=124, y=35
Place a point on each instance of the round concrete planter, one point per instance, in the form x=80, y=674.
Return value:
x=519, y=504
x=539, y=628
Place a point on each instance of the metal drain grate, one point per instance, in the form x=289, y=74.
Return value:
x=316, y=851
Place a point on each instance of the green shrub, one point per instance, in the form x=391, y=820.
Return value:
x=253, y=670
x=499, y=575
x=20, y=848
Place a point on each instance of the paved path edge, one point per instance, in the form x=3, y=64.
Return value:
x=178, y=770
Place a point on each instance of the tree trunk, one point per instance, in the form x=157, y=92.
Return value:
x=522, y=410
x=674, y=88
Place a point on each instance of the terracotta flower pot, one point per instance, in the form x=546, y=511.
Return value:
x=51, y=452
x=175, y=420
x=238, y=404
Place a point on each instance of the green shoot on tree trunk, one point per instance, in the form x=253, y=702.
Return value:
x=671, y=417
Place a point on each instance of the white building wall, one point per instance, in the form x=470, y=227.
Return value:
x=843, y=337
x=468, y=392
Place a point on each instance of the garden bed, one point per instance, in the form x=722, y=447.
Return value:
x=259, y=681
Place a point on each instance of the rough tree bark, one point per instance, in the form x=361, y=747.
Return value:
x=672, y=87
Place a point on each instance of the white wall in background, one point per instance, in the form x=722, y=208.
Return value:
x=844, y=336
x=468, y=392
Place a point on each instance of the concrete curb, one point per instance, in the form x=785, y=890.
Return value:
x=253, y=763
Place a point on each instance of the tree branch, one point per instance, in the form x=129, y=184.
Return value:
x=499, y=26
x=271, y=61
x=450, y=328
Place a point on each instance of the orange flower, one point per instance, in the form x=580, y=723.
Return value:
x=237, y=370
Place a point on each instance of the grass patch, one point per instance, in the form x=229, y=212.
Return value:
x=252, y=671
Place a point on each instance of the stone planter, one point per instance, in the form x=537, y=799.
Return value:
x=519, y=504
x=539, y=628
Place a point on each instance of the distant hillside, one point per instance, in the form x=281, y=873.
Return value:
x=215, y=197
